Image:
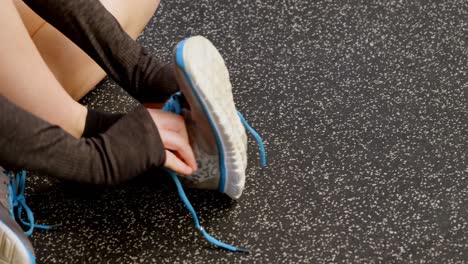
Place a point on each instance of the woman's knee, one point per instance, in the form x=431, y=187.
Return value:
x=134, y=15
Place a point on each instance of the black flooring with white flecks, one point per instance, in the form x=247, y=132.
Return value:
x=362, y=108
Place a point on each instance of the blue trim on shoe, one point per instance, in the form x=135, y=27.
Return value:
x=180, y=62
x=189, y=207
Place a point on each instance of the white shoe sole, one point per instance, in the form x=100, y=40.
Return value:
x=203, y=77
x=12, y=249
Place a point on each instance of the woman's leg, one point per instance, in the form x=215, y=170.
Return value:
x=75, y=70
x=26, y=80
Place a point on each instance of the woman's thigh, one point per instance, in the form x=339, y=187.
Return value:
x=73, y=68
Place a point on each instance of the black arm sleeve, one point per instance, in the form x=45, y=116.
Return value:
x=90, y=26
x=128, y=148
x=99, y=122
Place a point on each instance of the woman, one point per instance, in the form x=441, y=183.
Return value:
x=43, y=73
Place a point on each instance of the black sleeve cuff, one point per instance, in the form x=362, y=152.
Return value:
x=98, y=122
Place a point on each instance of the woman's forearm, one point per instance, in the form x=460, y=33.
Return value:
x=89, y=25
x=128, y=148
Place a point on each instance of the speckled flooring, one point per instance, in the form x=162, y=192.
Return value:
x=364, y=116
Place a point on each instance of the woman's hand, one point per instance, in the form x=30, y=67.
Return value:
x=173, y=132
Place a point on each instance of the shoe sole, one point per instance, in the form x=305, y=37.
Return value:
x=12, y=249
x=204, y=81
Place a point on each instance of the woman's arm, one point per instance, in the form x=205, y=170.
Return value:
x=128, y=148
x=89, y=25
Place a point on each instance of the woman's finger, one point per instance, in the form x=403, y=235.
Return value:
x=173, y=133
x=174, y=123
x=170, y=121
x=176, y=143
x=176, y=165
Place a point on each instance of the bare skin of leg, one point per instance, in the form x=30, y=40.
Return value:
x=26, y=80
x=36, y=75
x=79, y=77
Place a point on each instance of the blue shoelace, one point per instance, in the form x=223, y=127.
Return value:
x=174, y=105
x=17, y=202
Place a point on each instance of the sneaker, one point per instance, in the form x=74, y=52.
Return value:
x=216, y=130
x=15, y=246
